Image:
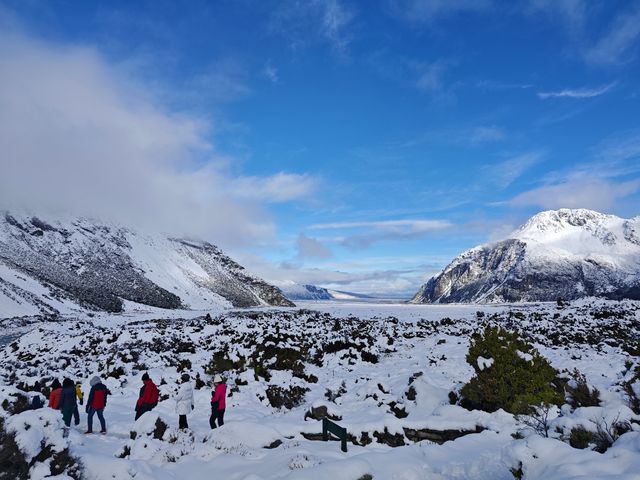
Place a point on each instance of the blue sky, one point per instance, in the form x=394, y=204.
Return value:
x=359, y=145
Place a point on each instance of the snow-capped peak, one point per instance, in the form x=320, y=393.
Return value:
x=566, y=253
x=579, y=232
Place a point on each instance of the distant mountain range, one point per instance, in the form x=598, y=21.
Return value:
x=296, y=291
x=50, y=267
x=564, y=254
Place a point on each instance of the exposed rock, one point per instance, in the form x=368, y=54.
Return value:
x=437, y=436
x=318, y=413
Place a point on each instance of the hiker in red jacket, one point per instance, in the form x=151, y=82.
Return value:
x=54, y=396
x=148, y=398
x=95, y=404
x=218, y=402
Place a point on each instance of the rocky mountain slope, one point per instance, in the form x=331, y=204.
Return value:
x=557, y=254
x=50, y=267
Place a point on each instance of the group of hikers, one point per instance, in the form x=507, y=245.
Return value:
x=66, y=396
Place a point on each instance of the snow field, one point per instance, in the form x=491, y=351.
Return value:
x=414, y=352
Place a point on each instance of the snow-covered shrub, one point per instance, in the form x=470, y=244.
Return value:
x=580, y=395
x=539, y=418
x=289, y=398
x=608, y=432
x=632, y=389
x=580, y=437
x=34, y=441
x=509, y=374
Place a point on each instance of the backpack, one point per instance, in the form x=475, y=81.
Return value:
x=154, y=395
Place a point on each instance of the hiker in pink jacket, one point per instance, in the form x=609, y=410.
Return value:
x=218, y=402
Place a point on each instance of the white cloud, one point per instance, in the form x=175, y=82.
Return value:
x=600, y=195
x=578, y=92
x=603, y=183
x=79, y=137
x=311, y=248
x=368, y=278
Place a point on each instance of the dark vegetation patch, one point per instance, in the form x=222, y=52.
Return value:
x=286, y=397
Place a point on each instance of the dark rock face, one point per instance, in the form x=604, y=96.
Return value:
x=95, y=266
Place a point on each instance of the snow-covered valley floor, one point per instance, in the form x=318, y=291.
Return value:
x=384, y=370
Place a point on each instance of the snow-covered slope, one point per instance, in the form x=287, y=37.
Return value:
x=564, y=253
x=67, y=266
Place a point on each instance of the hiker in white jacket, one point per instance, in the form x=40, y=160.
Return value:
x=184, y=401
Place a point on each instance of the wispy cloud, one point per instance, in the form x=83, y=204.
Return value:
x=368, y=233
x=281, y=187
x=571, y=13
x=619, y=43
x=411, y=225
x=506, y=172
x=271, y=73
x=603, y=183
x=585, y=92
x=493, y=85
x=431, y=79
x=427, y=11
x=314, y=20
x=485, y=134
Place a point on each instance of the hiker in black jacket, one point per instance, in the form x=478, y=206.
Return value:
x=68, y=400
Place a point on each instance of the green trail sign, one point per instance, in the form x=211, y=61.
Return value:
x=330, y=427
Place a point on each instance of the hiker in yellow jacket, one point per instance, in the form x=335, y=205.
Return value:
x=76, y=413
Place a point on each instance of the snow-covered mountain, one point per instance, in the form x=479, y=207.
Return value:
x=557, y=254
x=65, y=266
x=296, y=291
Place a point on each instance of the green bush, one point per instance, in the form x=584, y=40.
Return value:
x=580, y=437
x=518, y=378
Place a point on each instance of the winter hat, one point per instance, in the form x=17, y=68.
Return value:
x=217, y=379
x=145, y=377
x=94, y=381
x=55, y=384
x=67, y=382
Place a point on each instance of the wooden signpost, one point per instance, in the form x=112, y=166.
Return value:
x=330, y=427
